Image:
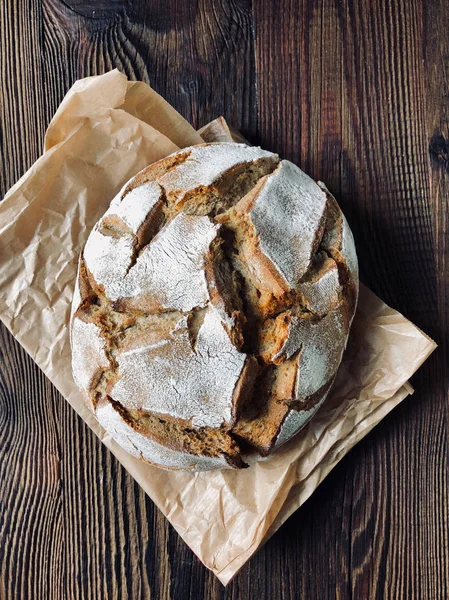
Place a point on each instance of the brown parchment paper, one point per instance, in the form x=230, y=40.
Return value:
x=106, y=130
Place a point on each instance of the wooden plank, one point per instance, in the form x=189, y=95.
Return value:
x=73, y=523
x=436, y=82
x=299, y=78
x=344, y=96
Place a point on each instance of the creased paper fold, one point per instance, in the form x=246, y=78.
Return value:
x=105, y=131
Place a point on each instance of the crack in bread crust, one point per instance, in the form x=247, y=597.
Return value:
x=257, y=303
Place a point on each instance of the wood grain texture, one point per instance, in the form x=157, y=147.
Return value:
x=357, y=94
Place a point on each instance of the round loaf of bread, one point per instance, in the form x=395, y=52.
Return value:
x=212, y=306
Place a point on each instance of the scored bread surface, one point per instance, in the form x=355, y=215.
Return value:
x=212, y=306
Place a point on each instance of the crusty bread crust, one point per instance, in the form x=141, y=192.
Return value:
x=212, y=306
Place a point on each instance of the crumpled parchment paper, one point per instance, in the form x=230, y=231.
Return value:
x=104, y=132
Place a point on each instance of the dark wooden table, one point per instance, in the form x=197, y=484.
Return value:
x=357, y=93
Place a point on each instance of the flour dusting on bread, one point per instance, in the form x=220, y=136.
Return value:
x=212, y=307
x=195, y=383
